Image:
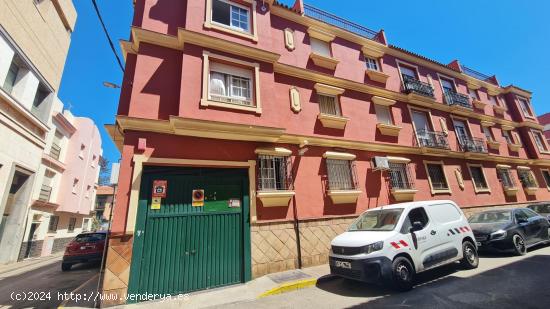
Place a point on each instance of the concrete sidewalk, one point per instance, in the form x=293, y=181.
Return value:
x=17, y=268
x=261, y=287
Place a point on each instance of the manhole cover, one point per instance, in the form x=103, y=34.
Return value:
x=286, y=276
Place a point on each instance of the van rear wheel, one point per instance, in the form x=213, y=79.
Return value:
x=470, y=259
x=402, y=274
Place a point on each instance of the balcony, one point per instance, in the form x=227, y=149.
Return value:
x=472, y=144
x=55, y=151
x=429, y=139
x=45, y=194
x=455, y=99
x=413, y=85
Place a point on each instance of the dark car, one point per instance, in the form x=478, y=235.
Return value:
x=85, y=248
x=542, y=209
x=509, y=229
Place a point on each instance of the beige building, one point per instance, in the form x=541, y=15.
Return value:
x=34, y=41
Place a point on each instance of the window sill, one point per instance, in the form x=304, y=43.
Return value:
x=531, y=191
x=485, y=190
x=388, y=129
x=499, y=109
x=493, y=145
x=332, y=121
x=255, y=109
x=377, y=76
x=344, y=196
x=224, y=28
x=403, y=195
x=478, y=104
x=514, y=147
x=323, y=61
x=511, y=192
x=279, y=198
x=442, y=191
x=544, y=152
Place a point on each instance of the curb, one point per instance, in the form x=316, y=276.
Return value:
x=326, y=278
x=290, y=286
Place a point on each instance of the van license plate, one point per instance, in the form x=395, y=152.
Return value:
x=343, y=264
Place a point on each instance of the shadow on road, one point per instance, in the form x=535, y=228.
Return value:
x=521, y=284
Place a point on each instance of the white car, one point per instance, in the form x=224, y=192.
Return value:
x=391, y=244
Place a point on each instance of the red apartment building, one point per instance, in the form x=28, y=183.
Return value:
x=252, y=133
x=545, y=121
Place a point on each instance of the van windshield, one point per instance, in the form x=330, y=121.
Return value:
x=377, y=220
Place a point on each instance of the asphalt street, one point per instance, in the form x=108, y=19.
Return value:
x=49, y=287
x=501, y=281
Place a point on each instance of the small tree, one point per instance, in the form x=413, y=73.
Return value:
x=104, y=171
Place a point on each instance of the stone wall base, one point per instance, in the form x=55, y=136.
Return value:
x=117, y=270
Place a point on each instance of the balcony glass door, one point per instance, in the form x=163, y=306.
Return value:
x=461, y=131
x=447, y=86
x=422, y=127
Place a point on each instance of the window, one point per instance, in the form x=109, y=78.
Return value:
x=507, y=137
x=372, y=64
x=415, y=215
x=94, y=157
x=11, y=78
x=437, y=177
x=320, y=47
x=341, y=174
x=505, y=177
x=488, y=134
x=539, y=140
x=40, y=97
x=329, y=105
x=478, y=178
x=88, y=191
x=274, y=173
x=400, y=176
x=231, y=15
x=502, y=101
x=72, y=223
x=81, y=153
x=525, y=108
x=75, y=185
x=230, y=85
x=493, y=100
x=407, y=72
x=52, y=226
x=448, y=85
x=473, y=94
x=383, y=114
x=527, y=178
x=546, y=176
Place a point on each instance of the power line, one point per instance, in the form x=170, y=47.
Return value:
x=107, y=34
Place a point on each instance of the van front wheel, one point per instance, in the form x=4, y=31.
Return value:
x=470, y=259
x=402, y=274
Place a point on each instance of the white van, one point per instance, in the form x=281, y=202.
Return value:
x=391, y=244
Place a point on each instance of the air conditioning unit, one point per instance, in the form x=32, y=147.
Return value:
x=380, y=164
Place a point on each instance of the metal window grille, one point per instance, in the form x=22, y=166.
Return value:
x=437, y=177
x=527, y=179
x=341, y=174
x=546, y=176
x=506, y=178
x=478, y=178
x=72, y=223
x=274, y=173
x=52, y=226
x=328, y=105
x=400, y=176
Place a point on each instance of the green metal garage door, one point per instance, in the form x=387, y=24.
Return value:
x=183, y=247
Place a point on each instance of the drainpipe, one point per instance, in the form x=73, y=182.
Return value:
x=295, y=166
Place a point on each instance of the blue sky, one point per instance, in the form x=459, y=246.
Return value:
x=505, y=37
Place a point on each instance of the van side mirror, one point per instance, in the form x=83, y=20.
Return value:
x=416, y=226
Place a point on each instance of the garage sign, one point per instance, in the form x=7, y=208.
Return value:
x=155, y=203
x=198, y=198
x=159, y=188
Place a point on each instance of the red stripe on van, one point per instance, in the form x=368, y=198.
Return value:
x=403, y=243
x=395, y=245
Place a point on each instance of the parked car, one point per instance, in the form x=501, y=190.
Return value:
x=392, y=244
x=85, y=248
x=542, y=209
x=509, y=229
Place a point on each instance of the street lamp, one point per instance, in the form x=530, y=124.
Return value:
x=111, y=85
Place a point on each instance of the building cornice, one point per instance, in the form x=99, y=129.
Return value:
x=228, y=131
x=64, y=123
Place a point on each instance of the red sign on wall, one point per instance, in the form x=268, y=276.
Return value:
x=159, y=188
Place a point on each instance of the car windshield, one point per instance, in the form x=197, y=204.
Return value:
x=491, y=217
x=377, y=220
x=542, y=208
x=90, y=237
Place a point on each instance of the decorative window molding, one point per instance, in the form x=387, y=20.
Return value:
x=507, y=180
x=437, y=178
x=540, y=141
x=320, y=34
x=477, y=174
x=274, y=176
x=459, y=178
x=528, y=180
x=295, y=103
x=401, y=179
x=382, y=101
x=327, y=89
x=339, y=155
x=254, y=88
x=546, y=176
x=252, y=32
x=525, y=107
x=342, y=180
x=289, y=39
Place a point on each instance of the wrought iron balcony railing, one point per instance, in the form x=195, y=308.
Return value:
x=432, y=139
x=415, y=86
x=45, y=193
x=477, y=75
x=315, y=13
x=457, y=99
x=55, y=151
x=472, y=144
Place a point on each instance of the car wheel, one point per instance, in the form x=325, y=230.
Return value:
x=470, y=258
x=402, y=274
x=66, y=266
x=519, y=245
